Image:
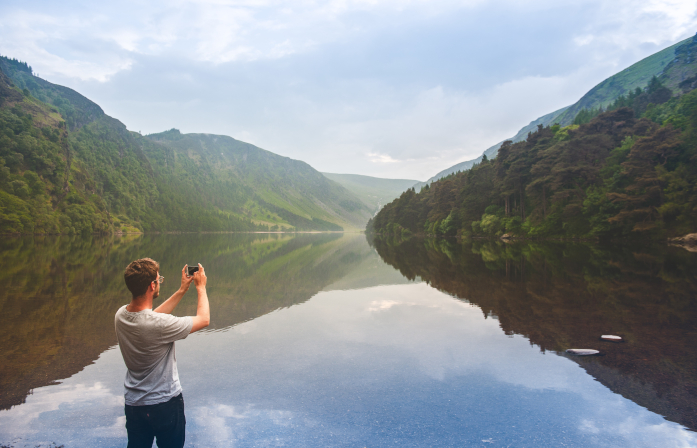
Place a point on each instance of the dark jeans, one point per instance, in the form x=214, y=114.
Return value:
x=165, y=421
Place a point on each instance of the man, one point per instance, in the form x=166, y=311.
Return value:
x=154, y=402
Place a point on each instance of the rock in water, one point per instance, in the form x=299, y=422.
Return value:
x=611, y=338
x=582, y=351
x=688, y=242
x=690, y=239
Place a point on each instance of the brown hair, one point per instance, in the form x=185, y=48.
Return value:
x=139, y=274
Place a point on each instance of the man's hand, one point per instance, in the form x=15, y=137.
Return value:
x=186, y=280
x=203, y=314
x=199, y=277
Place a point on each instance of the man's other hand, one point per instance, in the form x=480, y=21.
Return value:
x=200, y=278
x=186, y=281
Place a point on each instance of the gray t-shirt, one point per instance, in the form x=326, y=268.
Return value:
x=146, y=340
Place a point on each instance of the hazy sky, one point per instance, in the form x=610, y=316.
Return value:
x=399, y=89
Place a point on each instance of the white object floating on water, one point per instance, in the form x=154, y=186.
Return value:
x=611, y=337
x=582, y=351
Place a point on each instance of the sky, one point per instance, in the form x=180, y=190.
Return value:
x=394, y=89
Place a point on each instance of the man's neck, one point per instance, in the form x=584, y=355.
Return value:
x=140, y=303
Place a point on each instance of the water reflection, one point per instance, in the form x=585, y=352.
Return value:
x=60, y=294
x=317, y=341
x=562, y=295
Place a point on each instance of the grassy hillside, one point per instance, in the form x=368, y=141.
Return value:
x=373, y=191
x=252, y=183
x=673, y=65
x=66, y=167
x=636, y=76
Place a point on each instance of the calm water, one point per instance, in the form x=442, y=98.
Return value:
x=327, y=340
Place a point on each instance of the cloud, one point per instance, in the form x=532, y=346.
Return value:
x=381, y=158
x=387, y=88
x=625, y=23
x=205, y=31
x=438, y=127
x=381, y=305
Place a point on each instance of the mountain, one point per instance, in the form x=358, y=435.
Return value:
x=373, y=191
x=672, y=65
x=254, y=183
x=67, y=167
x=628, y=173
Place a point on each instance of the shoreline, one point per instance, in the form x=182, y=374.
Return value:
x=178, y=232
x=677, y=242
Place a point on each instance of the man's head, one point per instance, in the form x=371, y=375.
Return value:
x=140, y=275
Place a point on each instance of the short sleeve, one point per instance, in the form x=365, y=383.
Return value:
x=175, y=328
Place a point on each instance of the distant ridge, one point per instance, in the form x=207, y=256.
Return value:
x=373, y=191
x=276, y=189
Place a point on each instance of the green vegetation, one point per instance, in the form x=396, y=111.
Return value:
x=242, y=182
x=628, y=173
x=66, y=167
x=662, y=64
x=675, y=67
x=638, y=99
x=373, y=191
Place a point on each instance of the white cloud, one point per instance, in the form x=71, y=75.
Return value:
x=440, y=127
x=384, y=106
x=626, y=23
x=381, y=305
x=381, y=158
x=30, y=36
x=206, y=31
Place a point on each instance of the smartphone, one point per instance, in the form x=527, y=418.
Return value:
x=190, y=270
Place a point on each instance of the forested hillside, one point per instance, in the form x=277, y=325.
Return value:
x=629, y=172
x=67, y=167
x=251, y=182
x=675, y=66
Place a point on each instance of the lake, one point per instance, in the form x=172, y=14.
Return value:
x=337, y=340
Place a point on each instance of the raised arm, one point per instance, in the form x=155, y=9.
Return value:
x=203, y=312
x=171, y=303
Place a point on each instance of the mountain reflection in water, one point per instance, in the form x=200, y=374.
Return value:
x=60, y=293
x=317, y=340
x=565, y=295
